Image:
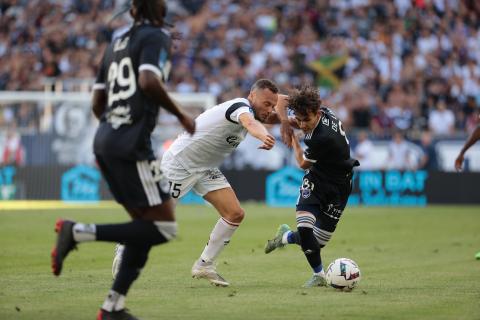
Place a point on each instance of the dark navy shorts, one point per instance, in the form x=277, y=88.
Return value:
x=134, y=184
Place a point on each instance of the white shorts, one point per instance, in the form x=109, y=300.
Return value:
x=182, y=181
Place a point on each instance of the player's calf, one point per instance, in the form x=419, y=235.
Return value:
x=167, y=229
x=309, y=244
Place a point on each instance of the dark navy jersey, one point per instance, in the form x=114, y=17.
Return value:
x=130, y=116
x=328, y=148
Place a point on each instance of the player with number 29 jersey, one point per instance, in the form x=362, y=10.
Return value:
x=126, y=99
x=130, y=117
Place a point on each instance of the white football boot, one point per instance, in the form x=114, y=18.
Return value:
x=207, y=270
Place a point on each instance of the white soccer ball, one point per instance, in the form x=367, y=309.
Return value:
x=343, y=274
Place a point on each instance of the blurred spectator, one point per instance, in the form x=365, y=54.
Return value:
x=27, y=118
x=399, y=153
x=428, y=160
x=441, y=120
x=13, y=151
x=385, y=65
x=364, y=152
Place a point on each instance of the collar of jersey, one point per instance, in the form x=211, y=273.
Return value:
x=319, y=119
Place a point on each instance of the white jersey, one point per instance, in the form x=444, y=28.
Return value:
x=218, y=133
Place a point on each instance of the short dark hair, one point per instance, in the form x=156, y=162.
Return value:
x=304, y=100
x=146, y=10
x=265, y=84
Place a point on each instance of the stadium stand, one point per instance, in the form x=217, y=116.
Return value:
x=384, y=66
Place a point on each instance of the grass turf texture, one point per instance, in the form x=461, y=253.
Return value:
x=416, y=263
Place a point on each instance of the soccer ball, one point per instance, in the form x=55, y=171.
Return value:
x=343, y=274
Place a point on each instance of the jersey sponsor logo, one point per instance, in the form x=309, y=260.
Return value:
x=234, y=141
x=120, y=44
x=325, y=121
x=336, y=126
x=215, y=174
x=333, y=212
x=119, y=116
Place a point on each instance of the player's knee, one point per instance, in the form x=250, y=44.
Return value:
x=235, y=215
x=322, y=236
x=167, y=230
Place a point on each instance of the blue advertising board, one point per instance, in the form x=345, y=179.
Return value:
x=81, y=183
x=282, y=187
x=7, y=183
x=371, y=188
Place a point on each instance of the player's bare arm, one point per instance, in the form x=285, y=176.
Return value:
x=286, y=127
x=273, y=118
x=99, y=101
x=302, y=163
x=151, y=85
x=474, y=137
x=256, y=129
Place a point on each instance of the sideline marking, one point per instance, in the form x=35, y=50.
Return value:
x=53, y=204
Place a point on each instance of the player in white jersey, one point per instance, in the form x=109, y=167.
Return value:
x=192, y=162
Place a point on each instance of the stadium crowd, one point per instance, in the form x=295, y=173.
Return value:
x=383, y=66
x=402, y=64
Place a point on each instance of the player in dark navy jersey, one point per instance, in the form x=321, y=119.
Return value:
x=327, y=183
x=127, y=96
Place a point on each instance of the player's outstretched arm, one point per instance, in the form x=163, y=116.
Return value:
x=297, y=148
x=286, y=127
x=474, y=137
x=256, y=129
x=151, y=85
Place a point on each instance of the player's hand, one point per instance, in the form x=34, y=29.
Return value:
x=268, y=142
x=188, y=123
x=459, y=162
x=287, y=133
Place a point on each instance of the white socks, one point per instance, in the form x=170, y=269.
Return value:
x=84, y=232
x=321, y=273
x=285, y=237
x=219, y=238
x=114, y=302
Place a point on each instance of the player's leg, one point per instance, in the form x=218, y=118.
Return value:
x=217, y=191
x=135, y=255
x=306, y=219
x=284, y=236
x=228, y=206
x=180, y=182
x=327, y=217
x=137, y=186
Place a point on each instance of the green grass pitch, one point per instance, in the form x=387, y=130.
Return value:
x=416, y=263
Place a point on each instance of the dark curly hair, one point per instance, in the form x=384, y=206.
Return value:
x=304, y=100
x=146, y=10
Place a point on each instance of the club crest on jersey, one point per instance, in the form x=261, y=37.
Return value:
x=233, y=141
x=326, y=121
x=305, y=193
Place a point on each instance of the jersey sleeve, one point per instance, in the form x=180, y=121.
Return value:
x=235, y=110
x=155, y=55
